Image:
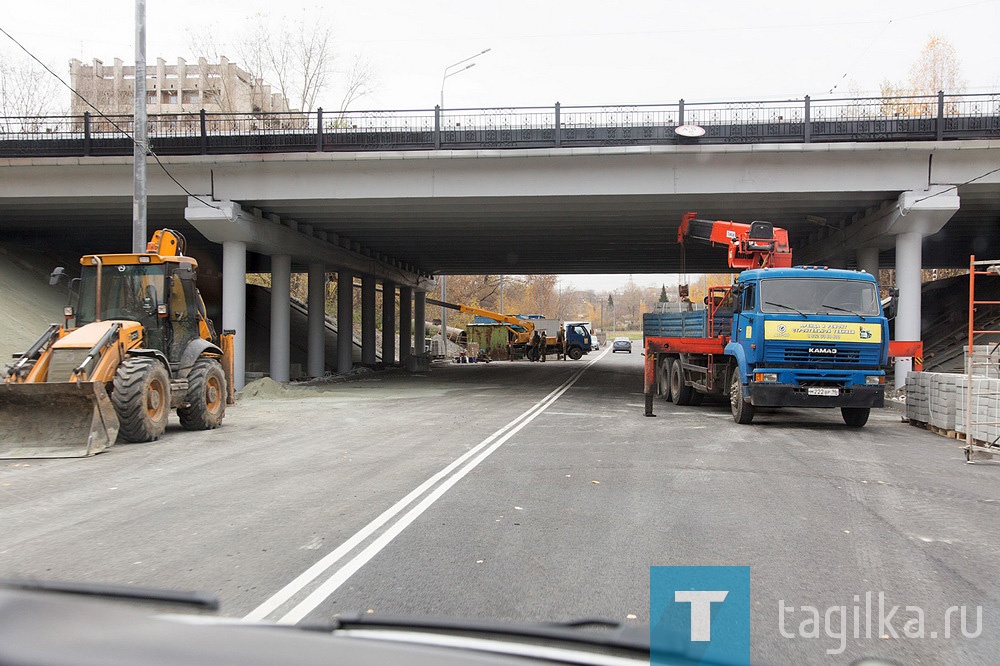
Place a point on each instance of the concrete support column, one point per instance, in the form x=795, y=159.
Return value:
x=316, y=347
x=405, y=323
x=419, y=322
x=234, y=304
x=868, y=260
x=388, y=322
x=908, y=263
x=368, y=355
x=281, y=313
x=345, y=321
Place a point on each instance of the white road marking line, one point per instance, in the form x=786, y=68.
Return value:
x=337, y=579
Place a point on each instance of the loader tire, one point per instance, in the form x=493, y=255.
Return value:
x=141, y=397
x=206, y=396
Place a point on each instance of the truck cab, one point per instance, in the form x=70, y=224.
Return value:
x=579, y=339
x=807, y=337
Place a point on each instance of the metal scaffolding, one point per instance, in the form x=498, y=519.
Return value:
x=982, y=415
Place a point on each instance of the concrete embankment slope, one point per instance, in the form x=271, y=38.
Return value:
x=27, y=303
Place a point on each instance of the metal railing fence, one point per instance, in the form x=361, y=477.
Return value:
x=938, y=117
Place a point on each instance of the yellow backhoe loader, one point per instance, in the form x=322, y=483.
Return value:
x=137, y=344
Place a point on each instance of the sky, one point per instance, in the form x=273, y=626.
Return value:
x=580, y=53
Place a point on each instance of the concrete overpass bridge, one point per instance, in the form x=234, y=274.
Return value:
x=399, y=198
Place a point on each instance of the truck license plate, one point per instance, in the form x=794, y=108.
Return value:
x=822, y=390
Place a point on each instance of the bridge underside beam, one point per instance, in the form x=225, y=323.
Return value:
x=221, y=221
x=914, y=211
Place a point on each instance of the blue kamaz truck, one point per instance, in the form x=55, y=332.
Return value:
x=804, y=336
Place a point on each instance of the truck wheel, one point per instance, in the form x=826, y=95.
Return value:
x=855, y=416
x=742, y=410
x=141, y=396
x=575, y=353
x=663, y=377
x=680, y=393
x=206, y=396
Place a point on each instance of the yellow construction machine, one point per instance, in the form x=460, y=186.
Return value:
x=137, y=344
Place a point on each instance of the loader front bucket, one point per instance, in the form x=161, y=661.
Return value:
x=55, y=420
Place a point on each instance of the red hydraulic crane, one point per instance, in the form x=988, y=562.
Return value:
x=754, y=245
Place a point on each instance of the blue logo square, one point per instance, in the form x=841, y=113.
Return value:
x=700, y=613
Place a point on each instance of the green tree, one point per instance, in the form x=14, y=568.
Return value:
x=663, y=294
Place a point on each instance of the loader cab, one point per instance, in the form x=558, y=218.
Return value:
x=157, y=292
x=132, y=292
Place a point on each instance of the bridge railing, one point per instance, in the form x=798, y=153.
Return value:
x=910, y=118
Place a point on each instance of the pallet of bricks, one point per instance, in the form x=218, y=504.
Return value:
x=983, y=427
x=931, y=400
x=937, y=401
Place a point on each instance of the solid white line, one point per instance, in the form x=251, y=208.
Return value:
x=320, y=594
x=319, y=568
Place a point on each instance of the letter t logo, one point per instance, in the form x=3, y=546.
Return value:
x=701, y=610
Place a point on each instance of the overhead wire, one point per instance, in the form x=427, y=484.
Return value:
x=902, y=18
x=860, y=57
x=144, y=147
x=955, y=187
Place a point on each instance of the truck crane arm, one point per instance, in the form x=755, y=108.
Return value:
x=755, y=245
x=522, y=327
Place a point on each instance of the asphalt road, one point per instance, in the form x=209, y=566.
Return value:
x=519, y=491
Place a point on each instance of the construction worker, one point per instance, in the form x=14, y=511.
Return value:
x=561, y=344
x=542, y=343
x=535, y=346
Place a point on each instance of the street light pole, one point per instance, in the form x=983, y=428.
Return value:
x=139, y=133
x=444, y=278
x=445, y=76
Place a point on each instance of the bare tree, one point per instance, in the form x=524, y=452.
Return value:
x=311, y=50
x=296, y=55
x=253, y=54
x=360, y=82
x=26, y=92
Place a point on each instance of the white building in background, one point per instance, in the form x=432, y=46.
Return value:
x=180, y=88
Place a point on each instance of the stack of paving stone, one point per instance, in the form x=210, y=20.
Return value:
x=941, y=393
x=917, y=396
x=985, y=408
x=986, y=358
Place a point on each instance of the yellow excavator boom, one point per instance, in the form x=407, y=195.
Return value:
x=522, y=329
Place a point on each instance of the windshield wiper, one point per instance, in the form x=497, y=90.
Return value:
x=613, y=634
x=129, y=592
x=788, y=307
x=834, y=307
